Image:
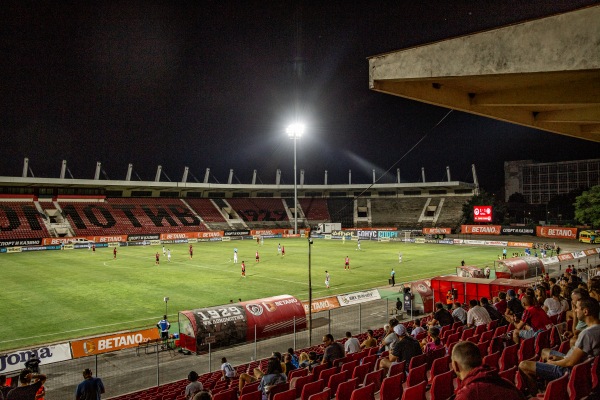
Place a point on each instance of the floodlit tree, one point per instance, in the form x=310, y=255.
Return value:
x=587, y=207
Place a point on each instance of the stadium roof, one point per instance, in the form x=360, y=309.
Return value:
x=544, y=74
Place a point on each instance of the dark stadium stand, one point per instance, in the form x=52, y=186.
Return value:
x=315, y=209
x=132, y=215
x=260, y=209
x=451, y=212
x=21, y=220
x=401, y=212
x=206, y=209
x=342, y=211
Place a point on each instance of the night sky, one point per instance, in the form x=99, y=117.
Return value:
x=215, y=83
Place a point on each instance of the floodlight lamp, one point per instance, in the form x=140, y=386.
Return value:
x=295, y=130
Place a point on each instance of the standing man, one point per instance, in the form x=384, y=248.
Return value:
x=327, y=279
x=169, y=255
x=157, y=259
x=358, y=244
x=282, y=251
x=235, y=255
x=191, y=252
x=504, y=253
x=164, y=326
x=91, y=388
x=399, y=258
x=278, y=249
x=164, y=251
x=347, y=263
x=393, y=277
x=114, y=253
x=257, y=257
x=487, y=272
x=26, y=389
x=243, y=269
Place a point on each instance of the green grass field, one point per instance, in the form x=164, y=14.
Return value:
x=58, y=295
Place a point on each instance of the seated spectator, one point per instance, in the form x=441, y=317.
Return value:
x=288, y=363
x=442, y=315
x=477, y=380
x=369, y=342
x=477, y=315
x=554, y=305
x=417, y=329
x=27, y=389
x=257, y=374
x=303, y=360
x=406, y=347
x=514, y=308
x=493, y=313
x=555, y=364
x=594, y=288
x=274, y=376
x=389, y=337
x=578, y=325
x=313, y=360
x=333, y=350
x=502, y=304
x=294, y=360
x=352, y=345
x=227, y=371
x=203, y=395
x=194, y=386
x=432, y=341
x=533, y=322
x=458, y=313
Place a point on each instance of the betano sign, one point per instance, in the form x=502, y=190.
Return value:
x=481, y=229
x=556, y=232
x=105, y=344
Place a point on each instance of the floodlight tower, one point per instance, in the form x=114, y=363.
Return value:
x=295, y=132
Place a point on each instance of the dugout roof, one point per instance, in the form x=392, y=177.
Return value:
x=543, y=74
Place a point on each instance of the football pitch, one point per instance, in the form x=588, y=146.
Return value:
x=53, y=296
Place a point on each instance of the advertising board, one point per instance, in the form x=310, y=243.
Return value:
x=482, y=213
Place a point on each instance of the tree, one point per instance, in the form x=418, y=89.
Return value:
x=587, y=207
x=517, y=197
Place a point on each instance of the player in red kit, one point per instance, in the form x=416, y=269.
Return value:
x=114, y=253
x=243, y=269
x=257, y=257
x=157, y=262
x=191, y=252
x=282, y=251
x=347, y=263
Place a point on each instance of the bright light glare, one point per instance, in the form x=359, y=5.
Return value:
x=295, y=130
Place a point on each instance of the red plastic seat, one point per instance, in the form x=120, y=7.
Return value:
x=542, y=341
x=335, y=380
x=556, y=389
x=416, y=392
x=480, y=329
x=391, y=388
x=439, y=366
x=324, y=395
x=526, y=349
x=417, y=361
x=250, y=387
x=509, y=374
x=317, y=370
x=289, y=394
x=312, y=388
x=492, y=325
x=375, y=378
x=364, y=393
x=434, y=355
x=580, y=384
x=372, y=358
x=397, y=368
x=349, y=366
x=229, y=394
x=485, y=336
x=345, y=389
x=441, y=386
x=467, y=333
x=361, y=371
x=492, y=360
x=484, y=348
x=303, y=380
x=297, y=373
x=509, y=357
x=416, y=375
x=326, y=373
x=254, y=395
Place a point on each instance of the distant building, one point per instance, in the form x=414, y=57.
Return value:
x=540, y=182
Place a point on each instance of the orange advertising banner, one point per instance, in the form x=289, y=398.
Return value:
x=437, y=231
x=108, y=239
x=481, y=229
x=269, y=232
x=190, y=235
x=65, y=240
x=106, y=344
x=520, y=244
x=324, y=304
x=558, y=232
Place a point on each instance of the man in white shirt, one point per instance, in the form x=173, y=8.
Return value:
x=352, y=344
x=459, y=313
x=477, y=315
x=418, y=329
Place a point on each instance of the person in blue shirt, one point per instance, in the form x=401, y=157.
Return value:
x=91, y=388
x=164, y=326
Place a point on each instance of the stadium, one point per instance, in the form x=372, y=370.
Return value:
x=93, y=267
